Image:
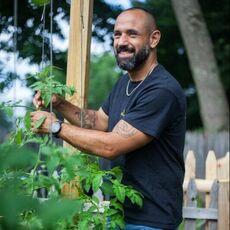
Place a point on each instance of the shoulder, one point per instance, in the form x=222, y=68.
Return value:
x=164, y=83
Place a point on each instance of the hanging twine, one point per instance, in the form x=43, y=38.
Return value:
x=81, y=64
x=15, y=51
x=51, y=57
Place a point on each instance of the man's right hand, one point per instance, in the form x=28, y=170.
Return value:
x=39, y=103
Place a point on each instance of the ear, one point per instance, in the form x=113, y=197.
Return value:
x=154, y=38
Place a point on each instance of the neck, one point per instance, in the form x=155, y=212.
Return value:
x=140, y=73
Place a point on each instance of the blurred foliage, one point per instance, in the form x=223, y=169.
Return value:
x=24, y=173
x=103, y=75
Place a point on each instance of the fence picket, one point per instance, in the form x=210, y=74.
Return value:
x=223, y=167
x=190, y=224
x=190, y=165
x=210, y=172
x=223, y=205
x=212, y=225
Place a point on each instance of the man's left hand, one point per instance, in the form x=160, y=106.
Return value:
x=46, y=125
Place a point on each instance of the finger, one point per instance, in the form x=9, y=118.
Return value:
x=38, y=95
x=34, y=130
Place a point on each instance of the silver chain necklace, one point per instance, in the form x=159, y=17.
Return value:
x=127, y=87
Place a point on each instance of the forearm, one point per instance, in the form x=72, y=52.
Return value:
x=76, y=116
x=90, y=141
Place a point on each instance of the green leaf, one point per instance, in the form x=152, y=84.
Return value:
x=107, y=188
x=27, y=120
x=39, y=2
x=83, y=224
x=13, y=156
x=115, y=204
x=117, y=172
x=39, y=122
x=53, y=210
x=134, y=196
x=97, y=180
x=95, y=199
x=18, y=137
x=52, y=164
x=87, y=184
x=46, y=96
x=120, y=192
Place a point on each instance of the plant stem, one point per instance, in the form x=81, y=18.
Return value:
x=35, y=168
x=21, y=106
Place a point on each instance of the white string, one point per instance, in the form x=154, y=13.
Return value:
x=81, y=51
x=43, y=18
x=15, y=50
x=51, y=58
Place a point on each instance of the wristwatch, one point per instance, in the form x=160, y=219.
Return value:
x=56, y=128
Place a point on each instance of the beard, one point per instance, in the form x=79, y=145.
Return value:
x=133, y=62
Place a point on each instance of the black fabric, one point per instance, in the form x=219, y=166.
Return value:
x=157, y=107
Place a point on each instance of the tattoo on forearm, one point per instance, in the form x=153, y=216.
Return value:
x=125, y=130
x=87, y=118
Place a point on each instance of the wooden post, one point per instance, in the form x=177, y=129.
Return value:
x=81, y=15
x=223, y=201
x=223, y=206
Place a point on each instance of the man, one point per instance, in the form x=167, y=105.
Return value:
x=141, y=126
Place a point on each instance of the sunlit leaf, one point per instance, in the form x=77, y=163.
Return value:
x=39, y=122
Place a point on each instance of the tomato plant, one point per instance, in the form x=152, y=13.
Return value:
x=24, y=172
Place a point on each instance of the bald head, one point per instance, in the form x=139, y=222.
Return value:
x=148, y=19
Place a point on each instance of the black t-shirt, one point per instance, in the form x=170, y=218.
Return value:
x=157, y=107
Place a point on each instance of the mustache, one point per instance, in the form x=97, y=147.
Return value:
x=125, y=49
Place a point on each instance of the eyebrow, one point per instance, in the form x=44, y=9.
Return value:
x=129, y=31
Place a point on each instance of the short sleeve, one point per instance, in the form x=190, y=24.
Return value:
x=105, y=105
x=153, y=112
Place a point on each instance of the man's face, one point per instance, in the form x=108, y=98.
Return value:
x=131, y=45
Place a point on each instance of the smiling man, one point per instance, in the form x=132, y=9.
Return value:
x=140, y=127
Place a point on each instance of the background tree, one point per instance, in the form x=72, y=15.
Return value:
x=212, y=99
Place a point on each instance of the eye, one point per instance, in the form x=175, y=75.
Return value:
x=116, y=35
x=133, y=34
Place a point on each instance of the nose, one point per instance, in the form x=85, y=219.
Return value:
x=123, y=40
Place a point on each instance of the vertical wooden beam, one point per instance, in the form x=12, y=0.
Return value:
x=223, y=206
x=224, y=197
x=81, y=14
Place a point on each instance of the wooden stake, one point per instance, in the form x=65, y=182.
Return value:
x=81, y=15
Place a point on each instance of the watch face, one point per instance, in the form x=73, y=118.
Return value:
x=55, y=127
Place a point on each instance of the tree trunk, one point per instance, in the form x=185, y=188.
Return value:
x=212, y=99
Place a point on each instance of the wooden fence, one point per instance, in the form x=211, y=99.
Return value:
x=201, y=143
x=214, y=188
